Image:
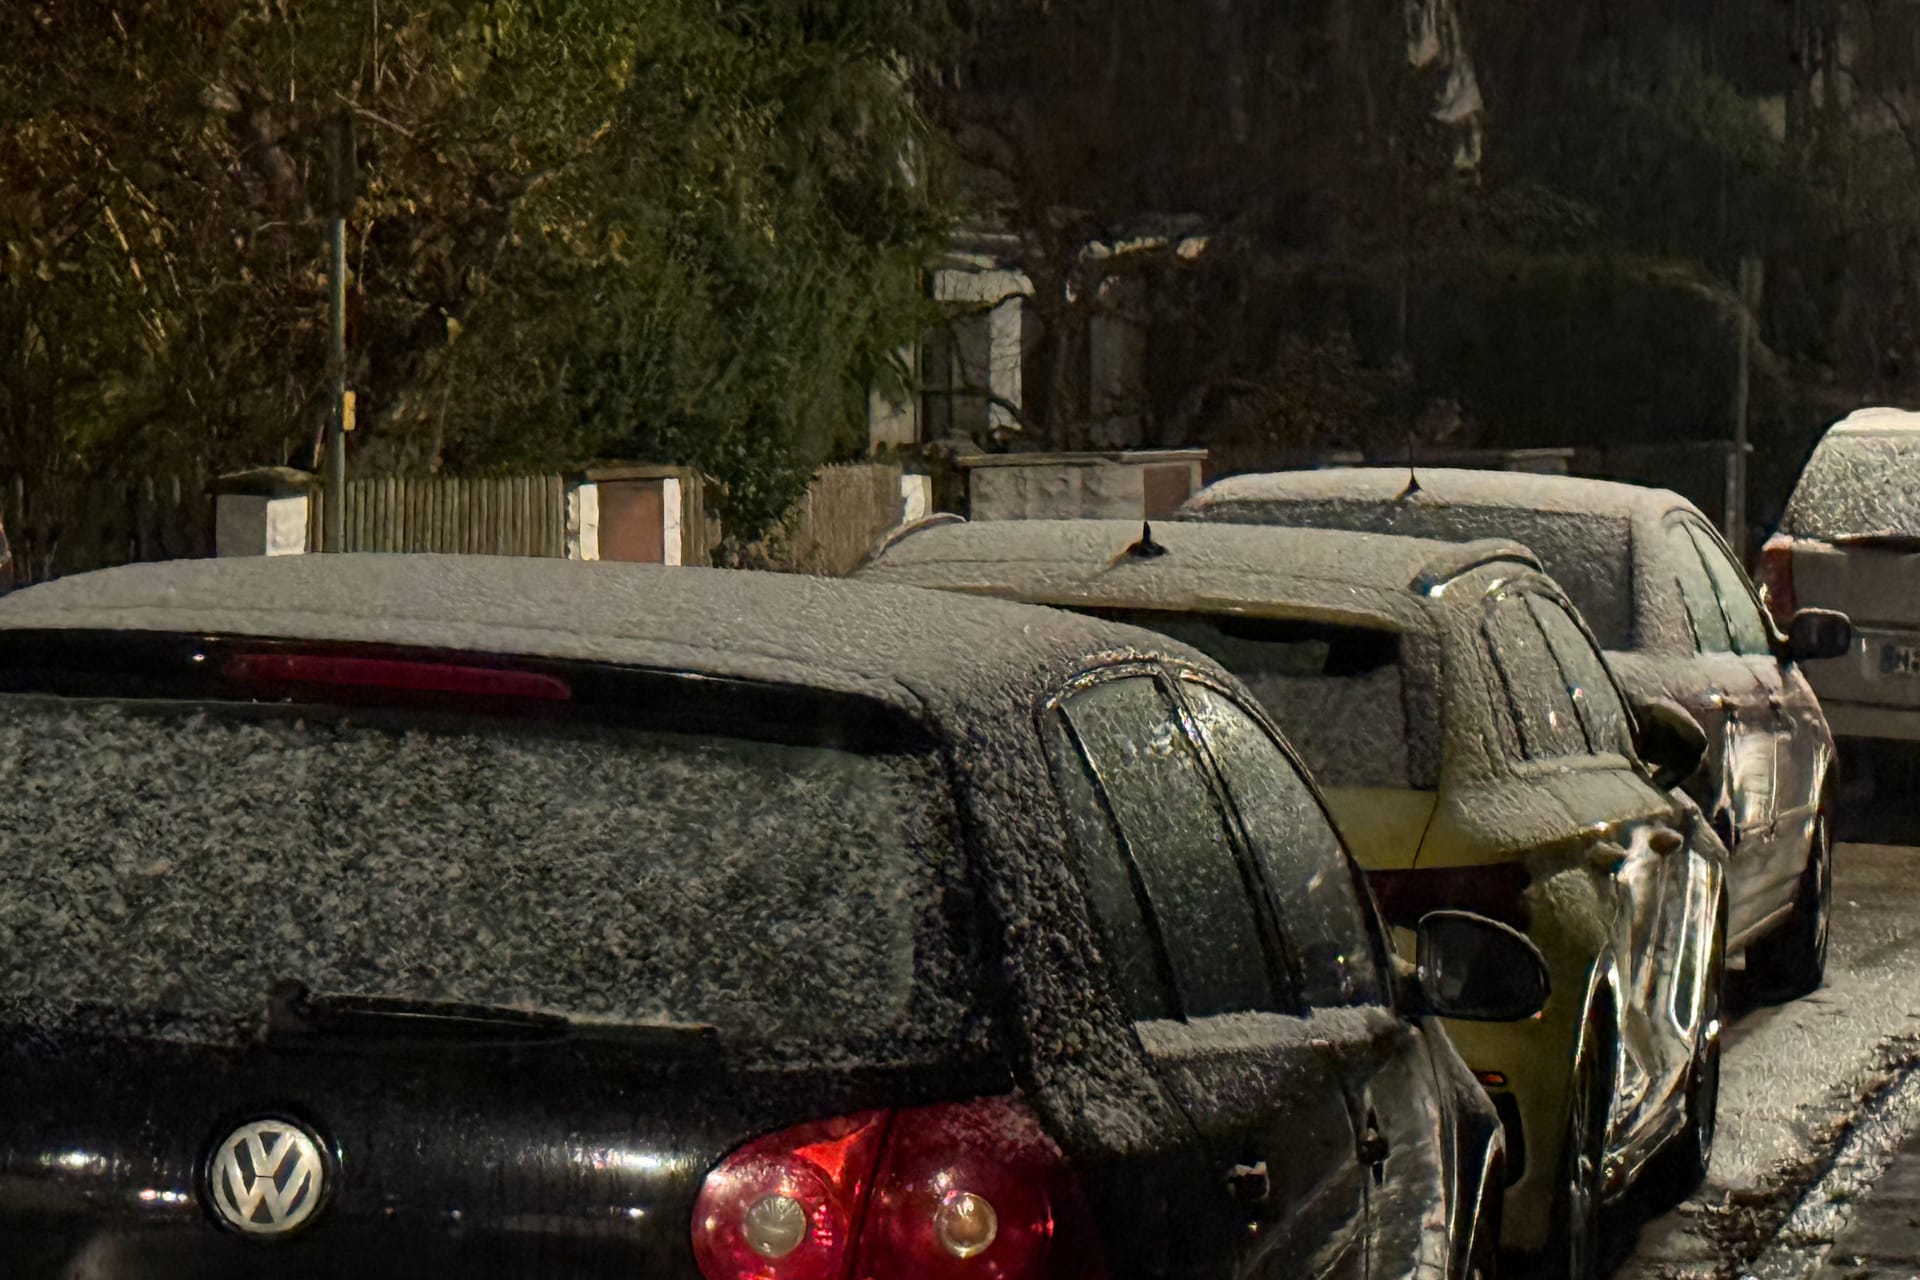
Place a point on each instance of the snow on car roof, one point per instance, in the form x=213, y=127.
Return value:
x=1362, y=576
x=976, y=665
x=1876, y=419
x=890, y=643
x=1519, y=489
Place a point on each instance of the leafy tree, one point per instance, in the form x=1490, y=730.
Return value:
x=1206, y=150
x=666, y=229
x=1574, y=283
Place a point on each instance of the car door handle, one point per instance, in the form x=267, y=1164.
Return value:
x=1373, y=1146
x=1665, y=840
x=1249, y=1184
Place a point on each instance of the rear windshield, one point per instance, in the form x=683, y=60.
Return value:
x=1589, y=553
x=1339, y=693
x=1858, y=485
x=181, y=858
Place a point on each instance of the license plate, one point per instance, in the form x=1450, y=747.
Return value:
x=1899, y=659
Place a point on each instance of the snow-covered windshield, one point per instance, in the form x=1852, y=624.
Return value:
x=1589, y=553
x=1858, y=483
x=165, y=857
x=1338, y=693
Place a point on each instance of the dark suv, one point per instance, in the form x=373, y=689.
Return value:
x=380, y=916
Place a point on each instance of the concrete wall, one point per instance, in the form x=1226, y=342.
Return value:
x=248, y=524
x=1040, y=486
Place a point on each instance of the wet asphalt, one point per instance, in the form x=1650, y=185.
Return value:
x=1816, y=1170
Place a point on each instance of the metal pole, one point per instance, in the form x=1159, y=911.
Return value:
x=336, y=476
x=1736, y=516
x=340, y=185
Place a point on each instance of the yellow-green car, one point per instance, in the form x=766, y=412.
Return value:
x=1477, y=754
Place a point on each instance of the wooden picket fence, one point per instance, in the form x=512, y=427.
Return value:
x=65, y=523
x=504, y=515
x=830, y=530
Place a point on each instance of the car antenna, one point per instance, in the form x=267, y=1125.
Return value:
x=1413, y=476
x=1146, y=548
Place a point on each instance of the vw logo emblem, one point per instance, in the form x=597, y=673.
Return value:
x=266, y=1177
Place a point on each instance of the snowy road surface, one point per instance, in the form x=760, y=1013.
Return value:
x=1798, y=1080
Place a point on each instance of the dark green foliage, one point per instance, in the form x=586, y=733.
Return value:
x=656, y=230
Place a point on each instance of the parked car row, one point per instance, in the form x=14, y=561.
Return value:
x=1484, y=748
x=372, y=914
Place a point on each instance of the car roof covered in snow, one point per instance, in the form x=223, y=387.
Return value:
x=1600, y=539
x=1877, y=419
x=1257, y=569
x=907, y=648
x=1382, y=485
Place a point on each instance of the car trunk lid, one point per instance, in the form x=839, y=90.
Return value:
x=1875, y=581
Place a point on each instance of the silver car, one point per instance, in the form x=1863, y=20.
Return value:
x=1678, y=619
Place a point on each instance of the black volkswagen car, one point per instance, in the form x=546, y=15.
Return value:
x=387, y=916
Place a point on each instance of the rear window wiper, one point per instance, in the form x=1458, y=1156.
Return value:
x=296, y=1014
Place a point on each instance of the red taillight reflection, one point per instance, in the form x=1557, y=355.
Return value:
x=971, y=1189
x=1774, y=577
x=396, y=674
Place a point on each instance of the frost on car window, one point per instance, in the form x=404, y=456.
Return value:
x=1858, y=483
x=1136, y=964
x=1176, y=834
x=1537, y=693
x=1588, y=553
x=183, y=861
x=1735, y=598
x=1584, y=673
x=1338, y=693
x=1704, y=617
x=1298, y=853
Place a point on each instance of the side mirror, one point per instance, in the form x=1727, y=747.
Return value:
x=1818, y=633
x=1477, y=970
x=1670, y=741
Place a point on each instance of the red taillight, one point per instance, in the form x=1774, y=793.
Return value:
x=787, y=1206
x=396, y=674
x=974, y=1189
x=1774, y=577
x=960, y=1190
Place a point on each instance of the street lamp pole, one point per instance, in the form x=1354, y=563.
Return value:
x=341, y=181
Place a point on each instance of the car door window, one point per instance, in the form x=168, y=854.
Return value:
x=1306, y=870
x=1744, y=624
x=1129, y=936
x=1175, y=832
x=1696, y=592
x=1584, y=674
x=1537, y=697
